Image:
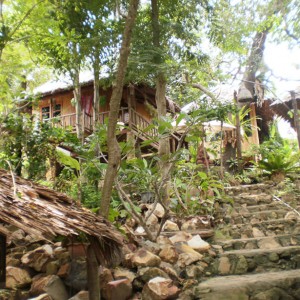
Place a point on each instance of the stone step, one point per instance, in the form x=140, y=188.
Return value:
x=271, y=285
x=259, y=243
x=250, y=199
x=262, y=207
x=254, y=217
x=253, y=188
x=256, y=261
x=260, y=229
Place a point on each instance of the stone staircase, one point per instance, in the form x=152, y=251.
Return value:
x=258, y=249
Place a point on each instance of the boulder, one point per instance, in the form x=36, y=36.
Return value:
x=180, y=237
x=187, y=255
x=150, y=246
x=144, y=258
x=77, y=275
x=38, y=258
x=82, y=295
x=105, y=277
x=198, y=244
x=42, y=297
x=152, y=222
x=120, y=273
x=168, y=254
x=196, y=223
x=118, y=290
x=159, y=211
x=17, y=278
x=146, y=274
x=160, y=288
x=51, y=285
x=163, y=240
x=170, y=226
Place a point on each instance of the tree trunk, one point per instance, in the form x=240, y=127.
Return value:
x=161, y=103
x=78, y=108
x=238, y=134
x=296, y=116
x=114, y=155
x=247, y=88
x=96, y=92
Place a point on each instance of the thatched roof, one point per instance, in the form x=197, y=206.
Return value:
x=86, y=78
x=44, y=213
x=283, y=106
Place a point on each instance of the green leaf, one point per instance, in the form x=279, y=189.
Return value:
x=67, y=160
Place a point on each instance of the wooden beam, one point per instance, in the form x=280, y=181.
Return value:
x=2, y=261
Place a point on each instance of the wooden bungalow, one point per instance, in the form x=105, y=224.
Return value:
x=138, y=107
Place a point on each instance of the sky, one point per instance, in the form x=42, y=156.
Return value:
x=285, y=65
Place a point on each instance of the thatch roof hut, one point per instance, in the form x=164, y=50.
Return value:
x=283, y=106
x=45, y=214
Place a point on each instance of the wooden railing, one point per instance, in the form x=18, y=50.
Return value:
x=69, y=120
x=129, y=117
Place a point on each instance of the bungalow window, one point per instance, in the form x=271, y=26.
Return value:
x=57, y=110
x=45, y=112
x=51, y=111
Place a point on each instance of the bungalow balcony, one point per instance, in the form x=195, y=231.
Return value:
x=129, y=119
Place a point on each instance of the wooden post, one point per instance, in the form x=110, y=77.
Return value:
x=2, y=261
x=296, y=116
x=238, y=133
x=92, y=275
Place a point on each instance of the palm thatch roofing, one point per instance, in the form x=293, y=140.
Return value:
x=285, y=105
x=86, y=78
x=45, y=214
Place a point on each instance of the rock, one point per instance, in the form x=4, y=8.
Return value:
x=170, y=226
x=159, y=211
x=224, y=266
x=13, y=262
x=151, y=247
x=169, y=254
x=187, y=256
x=241, y=265
x=274, y=257
x=198, y=244
x=17, y=236
x=104, y=278
x=38, y=258
x=194, y=271
x=82, y=295
x=196, y=223
x=170, y=270
x=144, y=258
x=64, y=271
x=52, y=268
x=274, y=294
x=257, y=233
x=152, y=221
x=120, y=273
x=17, y=278
x=146, y=274
x=268, y=243
x=163, y=240
x=140, y=230
x=51, y=285
x=118, y=290
x=42, y=297
x=77, y=275
x=180, y=237
x=160, y=288
x=291, y=215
